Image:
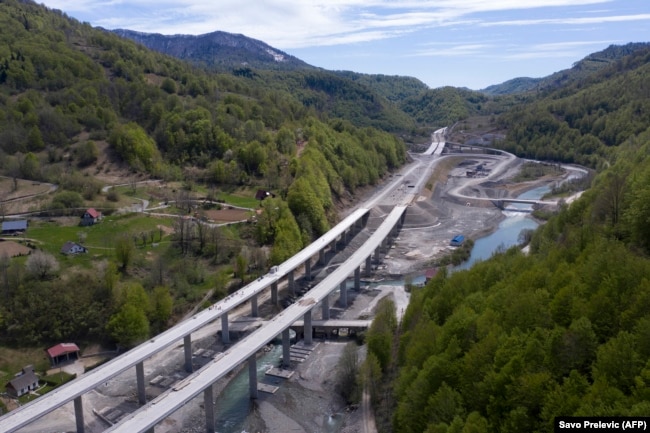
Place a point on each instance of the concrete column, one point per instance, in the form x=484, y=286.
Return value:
x=292, y=286
x=208, y=403
x=79, y=414
x=225, y=332
x=286, y=347
x=254, y=309
x=139, y=374
x=274, y=293
x=325, y=304
x=343, y=288
x=357, y=278
x=384, y=242
x=307, y=327
x=321, y=256
x=308, y=269
x=252, y=376
x=187, y=346
x=333, y=246
x=368, y=265
x=344, y=237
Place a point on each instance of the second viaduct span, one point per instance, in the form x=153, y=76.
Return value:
x=145, y=419
x=74, y=390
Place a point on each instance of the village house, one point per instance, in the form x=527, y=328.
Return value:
x=70, y=248
x=62, y=353
x=23, y=382
x=90, y=217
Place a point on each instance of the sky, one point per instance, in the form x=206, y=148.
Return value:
x=461, y=43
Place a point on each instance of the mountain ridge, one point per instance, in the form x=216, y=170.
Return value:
x=216, y=49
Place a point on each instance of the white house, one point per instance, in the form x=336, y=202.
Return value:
x=70, y=248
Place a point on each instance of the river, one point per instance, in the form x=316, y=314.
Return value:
x=507, y=234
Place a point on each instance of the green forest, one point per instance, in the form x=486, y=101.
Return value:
x=561, y=331
x=72, y=96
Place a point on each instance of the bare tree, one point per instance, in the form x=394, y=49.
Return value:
x=201, y=235
x=42, y=265
x=183, y=233
x=4, y=273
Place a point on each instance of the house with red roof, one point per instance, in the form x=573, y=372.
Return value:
x=90, y=217
x=62, y=353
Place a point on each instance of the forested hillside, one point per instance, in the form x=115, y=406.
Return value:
x=585, y=121
x=77, y=103
x=446, y=105
x=578, y=73
x=563, y=330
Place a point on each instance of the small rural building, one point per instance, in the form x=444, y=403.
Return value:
x=457, y=241
x=70, y=248
x=262, y=194
x=90, y=217
x=23, y=382
x=429, y=274
x=15, y=226
x=62, y=353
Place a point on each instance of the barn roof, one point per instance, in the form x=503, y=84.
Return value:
x=62, y=349
x=14, y=225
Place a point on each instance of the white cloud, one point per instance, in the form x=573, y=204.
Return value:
x=299, y=23
x=570, y=21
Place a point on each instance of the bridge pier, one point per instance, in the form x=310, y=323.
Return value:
x=79, y=414
x=225, y=332
x=292, y=288
x=286, y=347
x=321, y=256
x=325, y=304
x=368, y=265
x=254, y=309
x=307, y=328
x=139, y=374
x=252, y=376
x=208, y=403
x=308, y=269
x=343, y=288
x=274, y=293
x=333, y=246
x=187, y=347
x=357, y=278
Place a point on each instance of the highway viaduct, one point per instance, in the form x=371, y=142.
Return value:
x=74, y=390
x=146, y=418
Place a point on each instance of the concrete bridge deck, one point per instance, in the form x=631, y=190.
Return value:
x=151, y=414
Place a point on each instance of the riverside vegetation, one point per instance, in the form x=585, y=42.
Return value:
x=505, y=346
